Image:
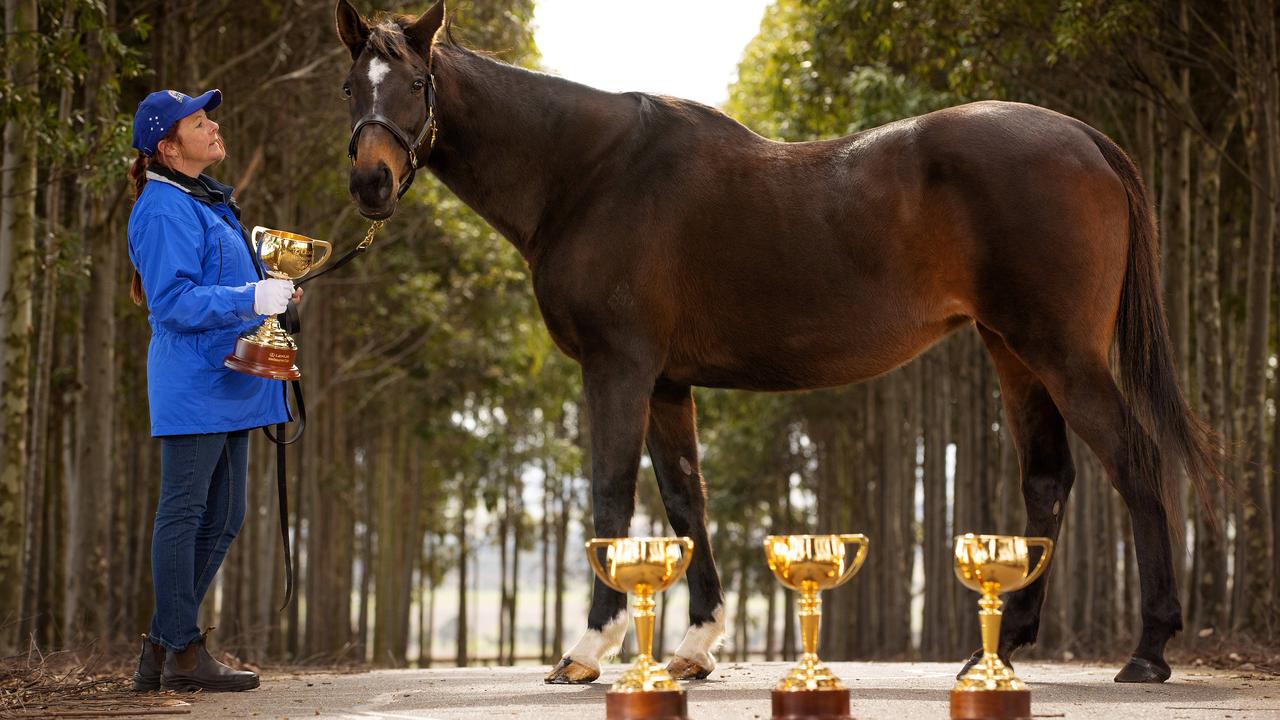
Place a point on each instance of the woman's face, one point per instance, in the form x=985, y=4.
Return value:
x=198, y=144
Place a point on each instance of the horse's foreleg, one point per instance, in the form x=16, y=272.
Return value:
x=673, y=447
x=617, y=393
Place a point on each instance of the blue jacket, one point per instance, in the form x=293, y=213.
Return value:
x=186, y=241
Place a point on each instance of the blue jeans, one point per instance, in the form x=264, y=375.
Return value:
x=201, y=509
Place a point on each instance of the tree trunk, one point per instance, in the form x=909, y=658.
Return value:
x=562, y=542
x=17, y=266
x=1254, y=535
x=463, y=565
x=427, y=644
x=513, y=601
x=936, y=640
x=545, y=540
x=1210, y=579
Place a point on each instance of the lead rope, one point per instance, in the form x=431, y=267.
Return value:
x=282, y=485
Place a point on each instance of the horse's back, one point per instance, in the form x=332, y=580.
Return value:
x=767, y=265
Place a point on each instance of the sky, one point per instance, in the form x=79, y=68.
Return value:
x=685, y=48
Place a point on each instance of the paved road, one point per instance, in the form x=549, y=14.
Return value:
x=892, y=691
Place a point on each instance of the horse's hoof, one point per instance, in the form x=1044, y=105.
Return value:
x=1141, y=670
x=571, y=672
x=975, y=658
x=685, y=669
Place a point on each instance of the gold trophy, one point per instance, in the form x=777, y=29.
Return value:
x=643, y=566
x=994, y=564
x=810, y=564
x=269, y=351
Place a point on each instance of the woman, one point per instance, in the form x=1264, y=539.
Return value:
x=202, y=285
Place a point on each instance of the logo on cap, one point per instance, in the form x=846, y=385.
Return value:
x=177, y=96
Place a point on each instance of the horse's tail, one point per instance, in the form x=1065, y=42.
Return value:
x=1145, y=358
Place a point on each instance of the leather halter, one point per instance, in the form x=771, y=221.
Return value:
x=402, y=137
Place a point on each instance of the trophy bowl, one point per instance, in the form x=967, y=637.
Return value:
x=642, y=567
x=269, y=351
x=991, y=565
x=810, y=564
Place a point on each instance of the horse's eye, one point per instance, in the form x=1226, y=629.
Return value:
x=418, y=85
x=346, y=90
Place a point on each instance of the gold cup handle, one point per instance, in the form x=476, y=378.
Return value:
x=1047, y=545
x=327, y=247
x=253, y=235
x=686, y=557
x=861, y=541
x=592, y=546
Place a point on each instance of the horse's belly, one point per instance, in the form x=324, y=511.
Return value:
x=821, y=355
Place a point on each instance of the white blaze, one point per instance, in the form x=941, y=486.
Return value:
x=378, y=69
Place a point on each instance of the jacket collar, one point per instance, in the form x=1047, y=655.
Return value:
x=203, y=188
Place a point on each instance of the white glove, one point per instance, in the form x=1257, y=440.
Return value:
x=271, y=296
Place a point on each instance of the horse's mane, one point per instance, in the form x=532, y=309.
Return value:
x=387, y=39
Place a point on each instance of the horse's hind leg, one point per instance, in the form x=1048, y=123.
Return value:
x=673, y=447
x=1040, y=435
x=1081, y=384
x=617, y=393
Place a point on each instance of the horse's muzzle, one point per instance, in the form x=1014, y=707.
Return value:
x=373, y=190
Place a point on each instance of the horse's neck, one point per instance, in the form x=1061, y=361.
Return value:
x=512, y=141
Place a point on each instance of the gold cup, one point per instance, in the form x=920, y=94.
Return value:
x=642, y=567
x=269, y=351
x=810, y=564
x=991, y=565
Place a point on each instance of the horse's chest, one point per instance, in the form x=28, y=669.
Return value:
x=558, y=318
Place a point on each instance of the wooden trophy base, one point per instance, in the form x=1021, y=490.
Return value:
x=990, y=705
x=263, y=360
x=811, y=705
x=656, y=705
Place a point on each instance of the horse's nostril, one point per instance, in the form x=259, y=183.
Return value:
x=384, y=182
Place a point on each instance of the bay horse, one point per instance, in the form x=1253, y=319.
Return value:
x=671, y=247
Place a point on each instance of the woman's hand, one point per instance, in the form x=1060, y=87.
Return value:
x=271, y=296
x=297, y=296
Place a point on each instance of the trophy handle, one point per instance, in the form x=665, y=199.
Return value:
x=593, y=545
x=861, y=541
x=686, y=557
x=1047, y=545
x=327, y=247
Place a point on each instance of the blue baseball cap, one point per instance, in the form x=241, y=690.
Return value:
x=161, y=110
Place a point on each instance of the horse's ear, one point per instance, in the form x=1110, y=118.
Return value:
x=423, y=30
x=352, y=29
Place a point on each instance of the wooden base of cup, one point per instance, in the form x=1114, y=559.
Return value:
x=657, y=705
x=811, y=705
x=263, y=360
x=990, y=705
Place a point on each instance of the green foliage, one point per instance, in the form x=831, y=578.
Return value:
x=76, y=46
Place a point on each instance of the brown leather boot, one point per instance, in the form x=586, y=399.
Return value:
x=195, y=669
x=147, y=676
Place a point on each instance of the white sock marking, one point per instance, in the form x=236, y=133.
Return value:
x=700, y=640
x=597, y=644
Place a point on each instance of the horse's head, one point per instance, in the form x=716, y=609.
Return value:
x=387, y=93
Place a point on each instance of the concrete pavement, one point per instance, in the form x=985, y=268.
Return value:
x=739, y=691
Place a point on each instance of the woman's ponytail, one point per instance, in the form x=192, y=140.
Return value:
x=138, y=174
